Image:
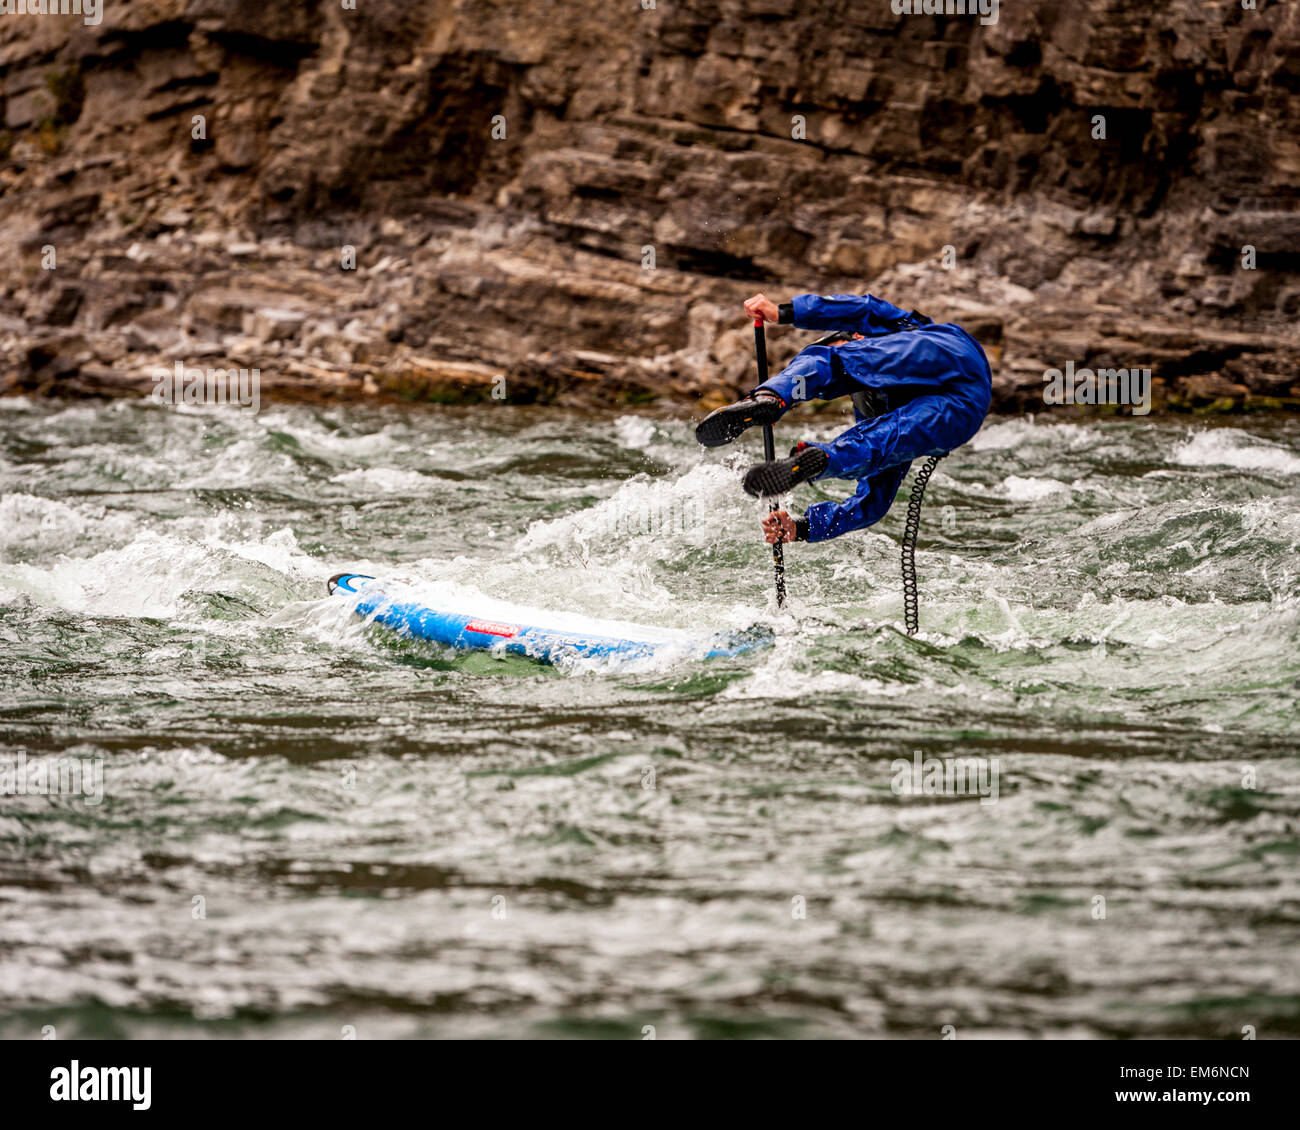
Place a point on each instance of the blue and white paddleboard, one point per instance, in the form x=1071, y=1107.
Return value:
x=548, y=636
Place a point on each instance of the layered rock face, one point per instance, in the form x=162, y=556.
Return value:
x=566, y=202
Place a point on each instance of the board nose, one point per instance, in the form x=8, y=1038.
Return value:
x=348, y=582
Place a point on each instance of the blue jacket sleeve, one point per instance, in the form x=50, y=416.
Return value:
x=868, y=504
x=861, y=313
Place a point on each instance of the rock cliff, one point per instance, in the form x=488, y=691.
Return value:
x=575, y=196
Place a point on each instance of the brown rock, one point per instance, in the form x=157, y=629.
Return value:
x=650, y=176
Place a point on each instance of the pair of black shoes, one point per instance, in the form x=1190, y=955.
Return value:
x=765, y=479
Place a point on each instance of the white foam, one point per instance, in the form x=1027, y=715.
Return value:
x=651, y=512
x=150, y=575
x=145, y=578
x=1020, y=489
x=32, y=525
x=25, y=518
x=1016, y=433
x=278, y=550
x=176, y=465
x=634, y=431
x=384, y=480
x=1230, y=447
x=781, y=675
x=320, y=441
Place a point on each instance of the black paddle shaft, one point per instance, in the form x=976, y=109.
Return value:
x=769, y=453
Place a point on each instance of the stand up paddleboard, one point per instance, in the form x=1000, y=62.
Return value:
x=547, y=636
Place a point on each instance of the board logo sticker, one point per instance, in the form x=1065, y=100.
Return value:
x=490, y=628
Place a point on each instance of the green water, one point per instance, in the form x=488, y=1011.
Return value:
x=307, y=826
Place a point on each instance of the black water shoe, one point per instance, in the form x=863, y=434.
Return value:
x=725, y=424
x=766, y=480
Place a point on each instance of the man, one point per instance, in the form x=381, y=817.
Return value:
x=917, y=388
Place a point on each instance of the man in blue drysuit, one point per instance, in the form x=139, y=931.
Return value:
x=917, y=388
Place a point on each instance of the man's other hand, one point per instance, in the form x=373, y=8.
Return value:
x=760, y=306
x=778, y=527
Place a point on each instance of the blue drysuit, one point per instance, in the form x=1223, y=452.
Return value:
x=930, y=386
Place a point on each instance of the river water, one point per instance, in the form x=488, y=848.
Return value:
x=308, y=827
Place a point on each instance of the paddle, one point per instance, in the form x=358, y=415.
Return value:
x=769, y=453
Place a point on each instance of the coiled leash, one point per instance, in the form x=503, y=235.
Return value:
x=911, y=602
